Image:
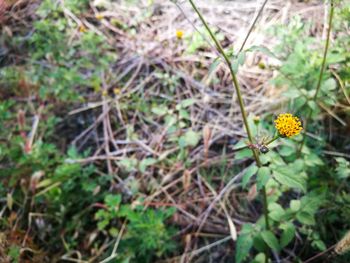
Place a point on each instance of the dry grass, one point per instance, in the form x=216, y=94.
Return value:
x=155, y=49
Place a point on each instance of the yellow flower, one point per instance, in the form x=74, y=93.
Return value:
x=99, y=16
x=116, y=91
x=104, y=93
x=82, y=29
x=288, y=125
x=179, y=34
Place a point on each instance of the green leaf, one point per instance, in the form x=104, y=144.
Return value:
x=291, y=93
x=312, y=160
x=243, y=245
x=262, y=177
x=128, y=163
x=343, y=168
x=258, y=242
x=214, y=65
x=241, y=58
x=319, y=244
x=234, y=66
x=287, y=234
x=270, y=240
x=262, y=49
x=160, y=110
x=259, y=258
x=312, y=105
x=145, y=163
x=295, y=205
x=276, y=212
x=335, y=58
x=190, y=138
x=288, y=178
x=14, y=253
x=185, y=103
x=113, y=200
x=243, y=154
x=286, y=151
x=329, y=85
x=184, y=114
x=248, y=174
x=305, y=218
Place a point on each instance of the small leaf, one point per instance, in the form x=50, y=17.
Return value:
x=128, y=163
x=276, y=211
x=286, y=151
x=214, y=65
x=260, y=258
x=305, y=218
x=190, y=138
x=234, y=66
x=112, y=201
x=145, y=163
x=329, y=85
x=262, y=177
x=243, y=154
x=287, y=234
x=262, y=49
x=241, y=58
x=319, y=244
x=160, y=110
x=295, y=205
x=244, y=244
x=185, y=103
x=312, y=105
x=248, y=174
x=288, y=178
x=270, y=240
x=184, y=114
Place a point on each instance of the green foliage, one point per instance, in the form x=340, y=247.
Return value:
x=71, y=206
x=146, y=232
x=310, y=174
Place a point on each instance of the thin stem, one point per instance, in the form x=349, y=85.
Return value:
x=273, y=139
x=233, y=75
x=321, y=74
x=252, y=26
x=241, y=105
x=325, y=50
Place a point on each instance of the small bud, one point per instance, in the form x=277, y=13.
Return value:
x=82, y=29
x=261, y=65
x=104, y=93
x=116, y=91
x=256, y=120
x=99, y=16
x=179, y=34
x=263, y=149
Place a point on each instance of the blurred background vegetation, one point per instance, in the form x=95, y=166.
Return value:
x=119, y=131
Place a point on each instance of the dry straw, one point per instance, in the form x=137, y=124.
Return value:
x=343, y=245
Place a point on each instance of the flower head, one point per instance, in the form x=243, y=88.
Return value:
x=288, y=125
x=82, y=29
x=179, y=34
x=99, y=16
x=116, y=91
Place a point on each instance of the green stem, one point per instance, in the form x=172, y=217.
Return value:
x=241, y=105
x=252, y=26
x=323, y=66
x=233, y=75
x=273, y=139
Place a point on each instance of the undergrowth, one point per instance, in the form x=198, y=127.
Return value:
x=68, y=194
